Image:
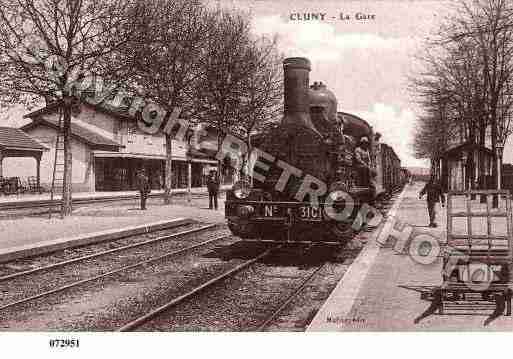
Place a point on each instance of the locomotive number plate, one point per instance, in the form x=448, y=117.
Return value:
x=303, y=213
x=272, y=210
x=308, y=213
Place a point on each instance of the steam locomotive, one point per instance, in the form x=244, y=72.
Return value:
x=307, y=174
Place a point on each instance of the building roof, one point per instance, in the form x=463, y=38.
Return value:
x=121, y=111
x=13, y=139
x=197, y=153
x=82, y=133
x=466, y=146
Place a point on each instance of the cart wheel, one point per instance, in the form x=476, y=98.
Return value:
x=438, y=298
x=501, y=303
x=507, y=298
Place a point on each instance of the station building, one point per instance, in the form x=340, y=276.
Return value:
x=108, y=148
x=458, y=166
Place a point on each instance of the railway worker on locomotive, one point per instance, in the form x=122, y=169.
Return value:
x=363, y=164
x=362, y=155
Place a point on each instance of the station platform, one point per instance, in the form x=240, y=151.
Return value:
x=36, y=230
x=388, y=290
x=27, y=199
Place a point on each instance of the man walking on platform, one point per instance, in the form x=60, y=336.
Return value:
x=213, y=189
x=434, y=194
x=143, y=185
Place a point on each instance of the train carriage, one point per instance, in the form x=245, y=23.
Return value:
x=391, y=169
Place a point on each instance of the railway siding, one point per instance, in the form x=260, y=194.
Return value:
x=43, y=200
x=28, y=230
x=12, y=253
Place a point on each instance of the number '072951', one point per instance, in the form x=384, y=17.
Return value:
x=64, y=343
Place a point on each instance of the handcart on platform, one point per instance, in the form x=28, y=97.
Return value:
x=477, y=261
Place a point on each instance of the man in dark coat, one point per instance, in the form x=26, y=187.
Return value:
x=363, y=164
x=143, y=185
x=362, y=155
x=213, y=189
x=434, y=194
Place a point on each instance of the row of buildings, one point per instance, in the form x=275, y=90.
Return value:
x=107, y=150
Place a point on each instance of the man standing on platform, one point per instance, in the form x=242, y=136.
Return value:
x=143, y=185
x=213, y=189
x=434, y=194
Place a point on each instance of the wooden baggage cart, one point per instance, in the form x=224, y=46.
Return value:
x=477, y=262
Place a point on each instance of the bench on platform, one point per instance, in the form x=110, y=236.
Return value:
x=33, y=186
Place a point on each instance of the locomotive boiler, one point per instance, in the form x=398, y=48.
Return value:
x=308, y=173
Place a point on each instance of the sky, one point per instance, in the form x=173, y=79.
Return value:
x=366, y=63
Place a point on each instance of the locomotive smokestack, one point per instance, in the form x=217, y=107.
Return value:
x=296, y=71
x=297, y=102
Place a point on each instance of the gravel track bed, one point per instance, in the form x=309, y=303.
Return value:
x=300, y=311
x=109, y=303
x=26, y=286
x=24, y=264
x=244, y=301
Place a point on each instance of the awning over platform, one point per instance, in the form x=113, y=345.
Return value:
x=16, y=143
x=106, y=154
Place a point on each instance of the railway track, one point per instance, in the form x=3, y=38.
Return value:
x=102, y=253
x=134, y=324
x=156, y=309
x=289, y=299
x=46, y=204
x=148, y=316
x=214, y=238
x=145, y=320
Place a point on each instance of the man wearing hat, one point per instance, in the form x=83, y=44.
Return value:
x=434, y=194
x=143, y=185
x=362, y=154
x=213, y=189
